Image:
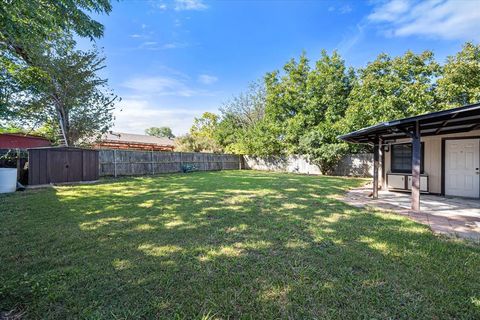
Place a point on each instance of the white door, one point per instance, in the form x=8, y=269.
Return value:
x=462, y=168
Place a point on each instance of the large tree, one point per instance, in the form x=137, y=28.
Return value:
x=304, y=97
x=460, y=82
x=70, y=96
x=287, y=102
x=160, y=132
x=248, y=107
x=32, y=30
x=391, y=88
x=304, y=107
x=243, y=128
x=201, y=137
x=330, y=84
x=26, y=25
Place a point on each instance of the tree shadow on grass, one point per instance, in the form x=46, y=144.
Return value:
x=227, y=245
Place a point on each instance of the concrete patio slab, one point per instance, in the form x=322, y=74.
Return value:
x=455, y=217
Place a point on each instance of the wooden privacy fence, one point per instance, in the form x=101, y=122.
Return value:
x=133, y=162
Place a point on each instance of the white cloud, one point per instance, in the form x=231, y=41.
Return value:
x=155, y=46
x=175, y=45
x=181, y=5
x=161, y=86
x=176, y=84
x=207, y=79
x=149, y=43
x=389, y=11
x=169, y=99
x=356, y=35
x=134, y=115
x=343, y=9
x=158, y=5
x=446, y=19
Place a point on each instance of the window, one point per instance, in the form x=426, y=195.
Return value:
x=401, y=159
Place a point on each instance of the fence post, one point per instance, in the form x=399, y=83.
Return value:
x=114, y=163
x=151, y=162
x=18, y=164
x=239, y=162
x=181, y=162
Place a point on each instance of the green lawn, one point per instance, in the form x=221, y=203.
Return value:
x=231, y=244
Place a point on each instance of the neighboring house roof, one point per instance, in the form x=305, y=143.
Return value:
x=22, y=141
x=134, y=141
x=456, y=120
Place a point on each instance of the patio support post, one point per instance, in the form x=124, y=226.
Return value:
x=376, y=157
x=416, y=164
x=381, y=165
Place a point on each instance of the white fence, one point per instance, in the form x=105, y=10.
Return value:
x=358, y=165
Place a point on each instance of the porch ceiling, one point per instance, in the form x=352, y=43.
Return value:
x=462, y=119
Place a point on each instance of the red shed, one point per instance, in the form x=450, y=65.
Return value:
x=22, y=141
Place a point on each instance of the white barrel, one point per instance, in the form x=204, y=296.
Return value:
x=8, y=180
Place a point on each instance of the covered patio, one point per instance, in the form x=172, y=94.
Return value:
x=455, y=217
x=447, y=165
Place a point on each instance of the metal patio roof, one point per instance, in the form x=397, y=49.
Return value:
x=456, y=120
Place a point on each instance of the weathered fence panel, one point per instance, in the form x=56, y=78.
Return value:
x=359, y=165
x=133, y=162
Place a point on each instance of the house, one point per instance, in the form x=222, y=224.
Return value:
x=436, y=153
x=22, y=141
x=119, y=140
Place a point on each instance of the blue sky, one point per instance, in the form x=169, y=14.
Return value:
x=172, y=60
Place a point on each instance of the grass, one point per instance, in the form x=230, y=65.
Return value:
x=232, y=244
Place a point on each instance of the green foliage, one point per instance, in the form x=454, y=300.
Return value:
x=391, y=88
x=205, y=125
x=24, y=21
x=191, y=143
x=460, y=82
x=305, y=107
x=259, y=139
x=248, y=107
x=160, y=132
x=202, y=135
x=243, y=128
x=36, y=46
x=273, y=118
x=287, y=108
x=323, y=148
x=71, y=95
x=186, y=143
x=9, y=128
x=28, y=27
